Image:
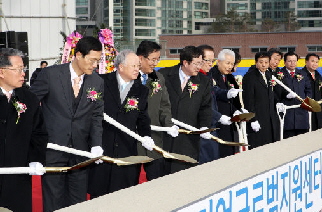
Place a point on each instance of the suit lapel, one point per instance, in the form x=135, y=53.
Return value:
x=261, y=79
x=193, y=80
x=132, y=92
x=66, y=84
x=112, y=86
x=175, y=80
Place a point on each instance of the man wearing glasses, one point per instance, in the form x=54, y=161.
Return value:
x=159, y=108
x=23, y=136
x=73, y=119
x=191, y=102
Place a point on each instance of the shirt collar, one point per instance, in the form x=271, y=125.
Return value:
x=73, y=74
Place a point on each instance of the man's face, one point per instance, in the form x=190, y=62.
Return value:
x=312, y=64
x=208, y=60
x=150, y=62
x=262, y=64
x=129, y=70
x=89, y=62
x=43, y=65
x=13, y=76
x=291, y=62
x=225, y=66
x=193, y=68
x=275, y=61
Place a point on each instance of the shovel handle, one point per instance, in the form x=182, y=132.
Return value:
x=286, y=88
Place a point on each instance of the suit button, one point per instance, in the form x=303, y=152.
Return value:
x=116, y=144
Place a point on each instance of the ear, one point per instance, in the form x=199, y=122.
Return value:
x=185, y=63
x=140, y=58
x=1, y=73
x=78, y=55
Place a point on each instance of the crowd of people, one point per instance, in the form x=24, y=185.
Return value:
x=65, y=105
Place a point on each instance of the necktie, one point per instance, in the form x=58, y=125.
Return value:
x=313, y=75
x=264, y=77
x=76, y=86
x=145, y=78
x=8, y=95
x=224, y=78
x=292, y=73
x=185, y=80
x=123, y=86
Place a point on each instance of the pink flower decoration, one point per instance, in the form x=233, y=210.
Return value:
x=73, y=39
x=106, y=37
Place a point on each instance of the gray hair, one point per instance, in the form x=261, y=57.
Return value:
x=5, y=53
x=120, y=58
x=222, y=54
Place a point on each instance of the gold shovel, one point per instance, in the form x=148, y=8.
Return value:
x=307, y=103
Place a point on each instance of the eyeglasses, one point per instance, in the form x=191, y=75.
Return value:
x=209, y=61
x=93, y=61
x=197, y=64
x=154, y=61
x=18, y=70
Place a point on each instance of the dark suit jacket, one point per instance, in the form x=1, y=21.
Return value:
x=316, y=95
x=259, y=98
x=296, y=118
x=159, y=111
x=80, y=130
x=20, y=144
x=115, y=142
x=195, y=110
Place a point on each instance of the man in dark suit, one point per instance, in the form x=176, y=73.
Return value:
x=191, y=102
x=311, y=66
x=125, y=100
x=296, y=120
x=258, y=96
x=226, y=106
x=43, y=64
x=73, y=118
x=159, y=108
x=23, y=136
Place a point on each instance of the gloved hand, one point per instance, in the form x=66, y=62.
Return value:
x=36, y=168
x=243, y=110
x=255, y=126
x=232, y=93
x=236, y=113
x=225, y=120
x=291, y=95
x=206, y=135
x=97, y=151
x=280, y=107
x=174, y=132
x=148, y=143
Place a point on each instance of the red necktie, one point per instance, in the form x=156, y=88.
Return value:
x=292, y=73
x=224, y=78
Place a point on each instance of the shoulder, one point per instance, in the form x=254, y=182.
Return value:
x=169, y=70
x=25, y=93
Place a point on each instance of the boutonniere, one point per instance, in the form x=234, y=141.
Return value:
x=192, y=88
x=20, y=108
x=320, y=84
x=272, y=83
x=214, y=82
x=155, y=86
x=231, y=85
x=131, y=104
x=280, y=75
x=93, y=95
x=299, y=77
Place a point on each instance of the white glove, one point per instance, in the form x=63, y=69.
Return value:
x=255, y=126
x=291, y=95
x=148, y=143
x=243, y=110
x=232, y=93
x=36, y=168
x=96, y=152
x=206, y=135
x=280, y=107
x=174, y=132
x=225, y=120
x=237, y=112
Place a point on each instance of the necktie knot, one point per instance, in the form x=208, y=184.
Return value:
x=292, y=73
x=145, y=78
x=76, y=86
x=8, y=95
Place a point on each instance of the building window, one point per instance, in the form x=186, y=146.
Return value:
x=258, y=49
x=145, y=3
x=237, y=6
x=285, y=49
x=144, y=32
x=266, y=5
x=145, y=12
x=309, y=4
x=175, y=51
x=81, y=2
x=144, y=22
x=310, y=23
x=314, y=48
x=201, y=6
x=198, y=14
x=309, y=13
x=81, y=10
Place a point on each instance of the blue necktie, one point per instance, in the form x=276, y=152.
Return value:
x=145, y=78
